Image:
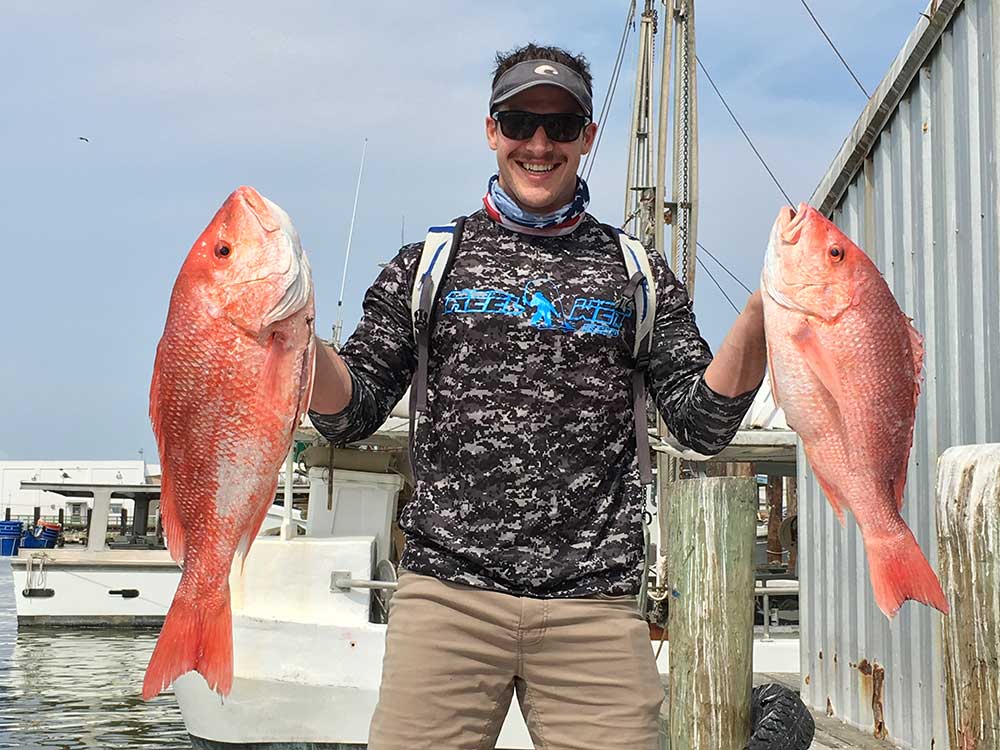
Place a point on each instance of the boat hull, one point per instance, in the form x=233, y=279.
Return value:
x=78, y=588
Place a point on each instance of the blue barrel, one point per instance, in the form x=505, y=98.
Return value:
x=10, y=537
x=43, y=536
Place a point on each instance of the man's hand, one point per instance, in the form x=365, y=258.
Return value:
x=331, y=381
x=739, y=365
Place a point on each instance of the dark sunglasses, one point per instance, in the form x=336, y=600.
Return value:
x=562, y=127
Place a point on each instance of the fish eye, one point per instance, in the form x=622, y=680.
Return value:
x=836, y=253
x=222, y=251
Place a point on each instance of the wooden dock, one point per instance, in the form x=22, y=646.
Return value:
x=831, y=733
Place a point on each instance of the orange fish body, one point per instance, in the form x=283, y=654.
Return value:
x=845, y=366
x=232, y=377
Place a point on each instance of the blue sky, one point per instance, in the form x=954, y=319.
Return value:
x=182, y=102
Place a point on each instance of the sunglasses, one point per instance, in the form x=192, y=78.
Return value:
x=562, y=127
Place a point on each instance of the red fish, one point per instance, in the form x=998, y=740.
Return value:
x=232, y=377
x=845, y=365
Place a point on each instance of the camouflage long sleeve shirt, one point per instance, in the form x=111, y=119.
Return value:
x=524, y=460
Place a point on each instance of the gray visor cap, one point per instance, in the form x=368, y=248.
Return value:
x=531, y=73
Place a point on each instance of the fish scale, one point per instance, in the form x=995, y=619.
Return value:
x=232, y=377
x=845, y=365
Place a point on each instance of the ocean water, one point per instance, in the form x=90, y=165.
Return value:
x=70, y=689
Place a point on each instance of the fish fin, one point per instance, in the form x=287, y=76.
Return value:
x=307, y=368
x=243, y=548
x=834, y=498
x=917, y=350
x=194, y=637
x=770, y=378
x=169, y=516
x=899, y=571
x=818, y=360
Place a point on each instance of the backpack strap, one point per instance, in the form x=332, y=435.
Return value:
x=435, y=260
x=641, y=290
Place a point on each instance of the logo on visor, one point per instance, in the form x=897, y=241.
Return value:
x=546, y=70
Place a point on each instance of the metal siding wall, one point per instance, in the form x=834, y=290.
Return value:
x=925, y=208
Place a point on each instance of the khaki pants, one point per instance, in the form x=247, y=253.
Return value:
x=583, y=671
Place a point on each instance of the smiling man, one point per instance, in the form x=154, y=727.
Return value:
x=524, y=543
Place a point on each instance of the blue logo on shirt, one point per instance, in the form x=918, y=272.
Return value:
x=542, y=300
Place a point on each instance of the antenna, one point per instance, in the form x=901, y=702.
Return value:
x=402, y=231
x=338, y=327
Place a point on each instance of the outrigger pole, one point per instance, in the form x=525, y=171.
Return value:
x=339, y=325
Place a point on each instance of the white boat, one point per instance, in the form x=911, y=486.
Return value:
x=130, y=583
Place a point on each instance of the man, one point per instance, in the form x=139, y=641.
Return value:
x=524, y=535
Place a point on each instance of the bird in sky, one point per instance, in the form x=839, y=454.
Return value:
x=83, y=139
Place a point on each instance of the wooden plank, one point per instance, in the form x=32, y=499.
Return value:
x=712, y=525
x=968, y=520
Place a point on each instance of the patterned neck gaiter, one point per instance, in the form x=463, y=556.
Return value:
x=502, y=209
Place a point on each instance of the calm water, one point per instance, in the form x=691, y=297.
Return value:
x=70, y=689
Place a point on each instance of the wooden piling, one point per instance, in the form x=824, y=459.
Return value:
x=712, y=524
x=968, y=522
x=774, y=518
x=792, y=509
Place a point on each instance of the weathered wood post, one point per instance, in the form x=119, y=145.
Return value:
x=775, y=500
x=792, y=509
x=712, y=524
x=968, y=521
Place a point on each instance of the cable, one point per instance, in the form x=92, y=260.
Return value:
x=731, y=114
x=731, y=274
x=717, y=284
x=834, y=47
x=588, y=162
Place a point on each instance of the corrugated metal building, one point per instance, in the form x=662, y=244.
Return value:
x=915, y=185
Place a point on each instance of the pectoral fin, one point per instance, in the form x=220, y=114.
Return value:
x=819, y=361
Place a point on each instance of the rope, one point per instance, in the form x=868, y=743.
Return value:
x=834, y=47
x=588, y=162
x=731, y=274
x=712, y=277
x=733, y=115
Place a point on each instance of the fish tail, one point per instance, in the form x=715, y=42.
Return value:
x=195, y=636
x=899, y=571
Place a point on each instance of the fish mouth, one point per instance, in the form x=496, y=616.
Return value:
x=260, y=207
x=784, y=234
x=791, y=221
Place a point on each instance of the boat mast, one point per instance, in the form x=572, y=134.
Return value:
x=647, y=209
x=339, y=325
x=639, y=186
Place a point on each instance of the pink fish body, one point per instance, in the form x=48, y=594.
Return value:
x=232, y=377
x=845, y=366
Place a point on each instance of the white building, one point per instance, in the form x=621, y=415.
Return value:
x=23, y=502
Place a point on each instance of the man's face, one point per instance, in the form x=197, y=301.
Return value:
x=536, y=191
